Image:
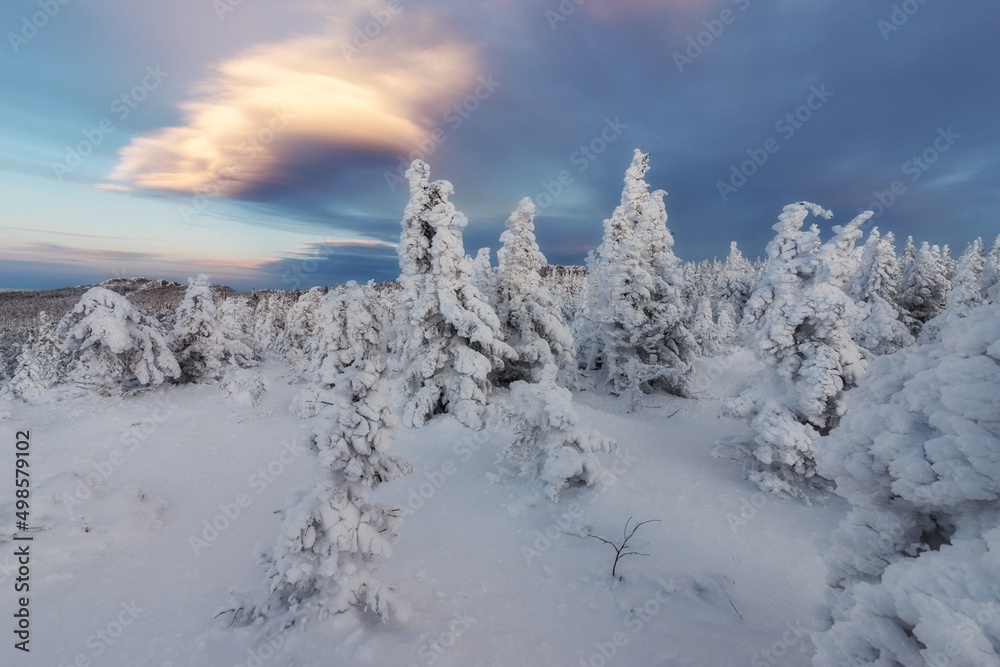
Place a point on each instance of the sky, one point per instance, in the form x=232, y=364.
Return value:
x=264, y=142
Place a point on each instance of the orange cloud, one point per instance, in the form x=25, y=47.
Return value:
x=362, y=84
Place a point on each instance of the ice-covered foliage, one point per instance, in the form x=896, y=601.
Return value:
x=303, y=329
x=879, y=325
x=914, y=565
x=200, y=341
x=325, y=558
x=453, y=340
x=736, y=282
x=925, y=287
x=796, y=322
x=637, y=311
x=550, y=444
x=531, y=319
x=40, y=364
x=113, y=344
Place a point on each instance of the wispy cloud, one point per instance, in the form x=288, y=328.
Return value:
x=265, y=111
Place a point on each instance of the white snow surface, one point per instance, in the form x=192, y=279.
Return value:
x=494, y=573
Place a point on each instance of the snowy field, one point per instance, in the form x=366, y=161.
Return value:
x=149, y=510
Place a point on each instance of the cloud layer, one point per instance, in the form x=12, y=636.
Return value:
x=368, y=84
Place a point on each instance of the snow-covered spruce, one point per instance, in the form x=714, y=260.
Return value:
x=879, y=326
x=925, y=284
x=796, y=322
x=453, y=338
x=636, y=307
x=41, y=363
x=303, y=330
x=913, y=568
x=531, y=319
x=200, y=341
x=736, y=283
x=325, y=559
x=113, y=345
x=550, y=443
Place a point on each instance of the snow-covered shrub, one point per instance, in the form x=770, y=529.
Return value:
x=452, y=339
x=550, y=443
x=925, y=284
x=243, y=386
x=200, y=341
x=325, y=559
x=41, y=363
x=879, y=326
x=113, y=344
x=636, y=307
x=914, y=565
x=796, y=321
x=531, y=320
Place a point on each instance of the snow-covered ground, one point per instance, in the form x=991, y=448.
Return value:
x=149, y=510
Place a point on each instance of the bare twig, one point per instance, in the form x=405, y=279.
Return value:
x=620, y=550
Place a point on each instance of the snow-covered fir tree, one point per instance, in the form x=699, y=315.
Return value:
x=325, y=559
x=269, y=321
x=966, y=289
x=638, y=334
x=200, y=341
x=113, y=344
x=991, y=274
x=736, y=281
x=796, y=321
x=913, y=567
x=303, y=331
x=550, y=443
x=924, y=291
x=453, y=339
x=879, y=326
x=705, y=330
x=41, y=364
x=531, y=319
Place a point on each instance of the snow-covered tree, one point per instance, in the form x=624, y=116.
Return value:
x=531, y=320
x=736, y=282
x=325, y=559
x=879, y=326
x=796, y=321
x=453, y=338
x=303, y=331
x=41, y=363
x=966, y=290
x=269, y=321
x=113, y=344
x=925, y=285
x=913, y=567
x=991, y=273
x=550, y=444
x=201, y=343
x=705, y=330
x=636, y=304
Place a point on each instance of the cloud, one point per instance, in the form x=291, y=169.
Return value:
x=367, y=85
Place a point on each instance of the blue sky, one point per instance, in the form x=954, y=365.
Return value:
x=262, y=142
